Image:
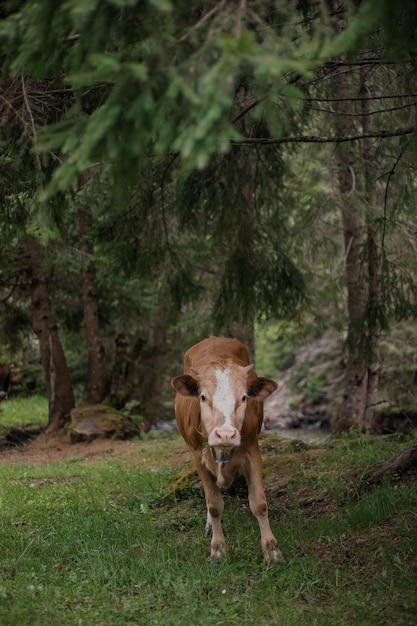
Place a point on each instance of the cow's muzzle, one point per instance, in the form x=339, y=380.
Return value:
x=227, y=437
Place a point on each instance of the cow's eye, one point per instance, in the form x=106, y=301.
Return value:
x=244, y=398
x=203, y=397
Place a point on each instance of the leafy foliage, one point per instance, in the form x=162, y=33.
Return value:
x=159, y=86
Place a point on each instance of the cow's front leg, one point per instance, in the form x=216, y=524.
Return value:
x=218, y=541
x=215, y=507
x=259, y=507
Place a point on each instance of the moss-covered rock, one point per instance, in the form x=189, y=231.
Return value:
x=182, y=483
x=100, y=421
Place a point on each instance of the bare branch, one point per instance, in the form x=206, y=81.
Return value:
x=383, y=134
x=246, y=110
x=29, y=110
x=393, y=468
x=204, y=19
x=413, y=103
x=398, y=96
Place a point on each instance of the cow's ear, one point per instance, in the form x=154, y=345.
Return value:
x=261, y=388
x=185, y=385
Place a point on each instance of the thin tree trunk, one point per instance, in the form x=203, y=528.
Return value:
x=373, y=245
x=98, y=379
x=354, y=400
x=58, y=382
x=357, y=188
x=245, y=180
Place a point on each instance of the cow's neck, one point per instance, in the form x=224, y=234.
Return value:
x=222, y=470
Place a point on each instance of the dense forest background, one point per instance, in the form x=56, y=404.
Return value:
x=173, y=169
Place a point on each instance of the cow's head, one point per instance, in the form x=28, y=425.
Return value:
x=223, y=392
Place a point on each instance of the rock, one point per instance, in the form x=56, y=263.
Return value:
x=100, y=421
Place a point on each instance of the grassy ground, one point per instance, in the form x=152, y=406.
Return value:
x=117, y=540
x=21, y=411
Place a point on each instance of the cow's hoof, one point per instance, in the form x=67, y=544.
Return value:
x=273, y=556
x=217, y=554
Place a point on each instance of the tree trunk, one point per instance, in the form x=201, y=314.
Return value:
x=58, y=382
x=150, y=367
x=124, y=374
x=244, y=177
x=245, y=332
x=373, y=247
x=98, y=379
x=354, y=231
x=357, y=188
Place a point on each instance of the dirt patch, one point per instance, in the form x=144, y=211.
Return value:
x=57, y=447
x=157, y=451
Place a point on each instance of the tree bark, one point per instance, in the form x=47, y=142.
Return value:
x=98, y=379
x=124, y=374
x=244, y=179
x=58, y=382
x=355, y=395
x=150, y=367
x=245, y=332
x=373, y=260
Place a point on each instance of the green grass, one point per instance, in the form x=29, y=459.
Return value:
x=97, y=542
x=18, y=411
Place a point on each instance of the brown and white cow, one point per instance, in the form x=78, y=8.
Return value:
x=219, y=412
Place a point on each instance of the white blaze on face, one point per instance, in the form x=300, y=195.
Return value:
x=224, y=398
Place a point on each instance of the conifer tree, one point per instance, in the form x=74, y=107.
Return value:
x=163, y=96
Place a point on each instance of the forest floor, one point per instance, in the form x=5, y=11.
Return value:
x=136, y=508
x=57, y=448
